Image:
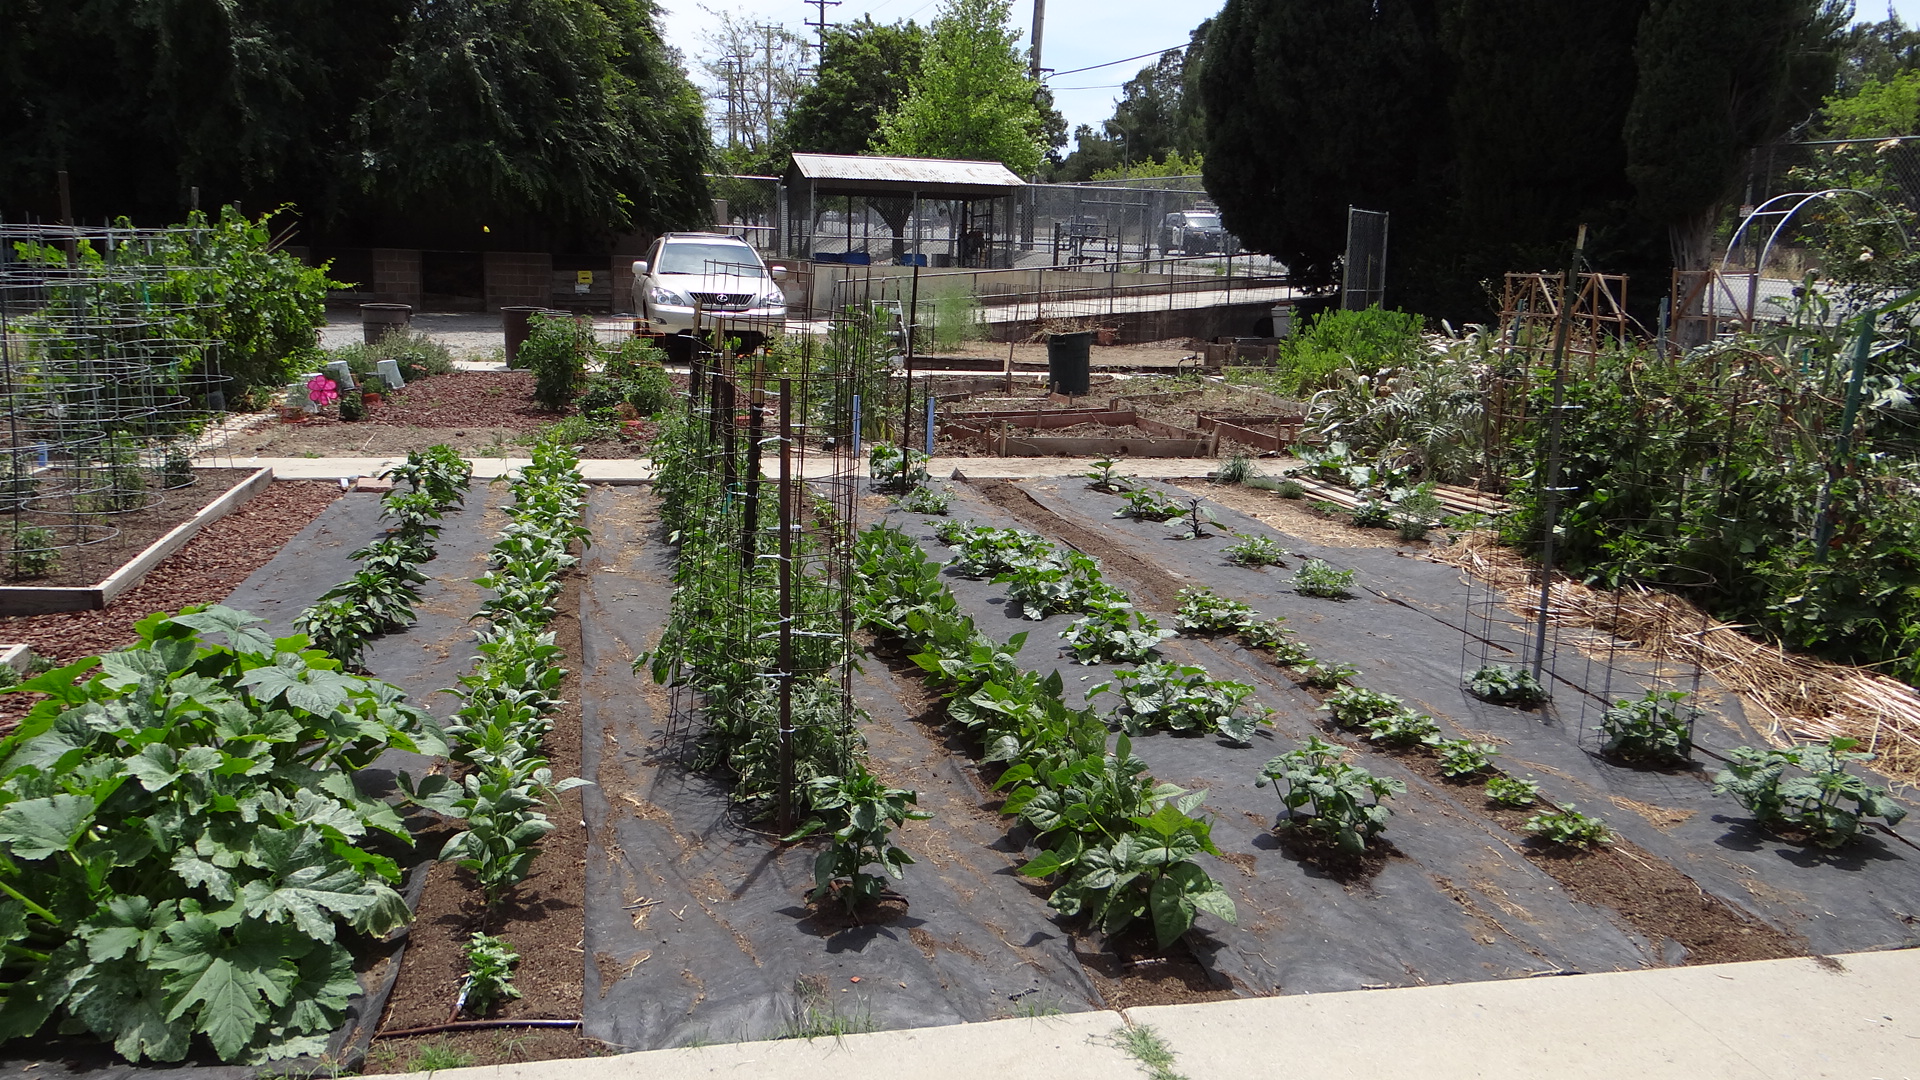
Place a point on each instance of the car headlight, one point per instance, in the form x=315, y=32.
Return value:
x=774, y=299
x=667, y=297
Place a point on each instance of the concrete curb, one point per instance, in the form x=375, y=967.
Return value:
x=1855, y=1017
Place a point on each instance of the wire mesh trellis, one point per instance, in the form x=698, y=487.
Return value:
x=111, y=395
x=769, y=506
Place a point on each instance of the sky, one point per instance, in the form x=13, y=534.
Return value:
x=1077, y=34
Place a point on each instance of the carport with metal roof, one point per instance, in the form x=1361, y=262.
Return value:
x=941, y=212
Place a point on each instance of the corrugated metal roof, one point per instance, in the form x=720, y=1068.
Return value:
x=930, y=176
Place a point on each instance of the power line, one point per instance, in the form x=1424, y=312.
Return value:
x=1110, y=63
x=1102, y=86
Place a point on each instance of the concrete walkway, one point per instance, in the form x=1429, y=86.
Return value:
x=1855, y=1017
x=640, y=470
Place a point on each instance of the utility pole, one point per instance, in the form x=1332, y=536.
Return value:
x=766, y=103
x=819, y=25
x=1039, y=18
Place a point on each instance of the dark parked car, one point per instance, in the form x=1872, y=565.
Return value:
x=1194, y=232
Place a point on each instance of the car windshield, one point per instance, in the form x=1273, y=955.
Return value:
x=718, y=257
x=1203, y=221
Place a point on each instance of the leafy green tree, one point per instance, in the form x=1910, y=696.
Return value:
x=1879, y=109
x=570, y=112
x=865, y=72
x=1715, y=78
x=1315, y=105
x=568, y=109
x=1877, y=51
x=973, y=99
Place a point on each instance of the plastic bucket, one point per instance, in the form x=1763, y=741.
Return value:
x=513, y=321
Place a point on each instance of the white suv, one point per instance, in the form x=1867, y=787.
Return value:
x=721, y=275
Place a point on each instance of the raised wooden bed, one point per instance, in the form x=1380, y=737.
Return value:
x=46, y=599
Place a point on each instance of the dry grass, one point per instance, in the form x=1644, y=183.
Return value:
x=1791, y=697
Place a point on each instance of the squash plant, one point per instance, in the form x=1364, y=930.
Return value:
x=1119, y=843
x=1114, y=633
x=185, y=854
x=1807, y=789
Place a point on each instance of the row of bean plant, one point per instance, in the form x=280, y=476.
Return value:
x=379, y=597
x=1116, y=845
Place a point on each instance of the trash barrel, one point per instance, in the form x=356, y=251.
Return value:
x=379, y=320
x=1069, y=358
x=514, y=321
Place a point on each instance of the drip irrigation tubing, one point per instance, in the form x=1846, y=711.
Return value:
x=474, y=1025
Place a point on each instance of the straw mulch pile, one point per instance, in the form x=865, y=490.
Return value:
x=1791, y=697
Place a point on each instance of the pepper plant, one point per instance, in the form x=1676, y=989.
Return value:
x=1347, y=802
x=860, y=813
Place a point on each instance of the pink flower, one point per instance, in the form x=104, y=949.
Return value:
x=322, y=390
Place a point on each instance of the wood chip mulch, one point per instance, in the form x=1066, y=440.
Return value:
x=467, y=399
x=205, y=571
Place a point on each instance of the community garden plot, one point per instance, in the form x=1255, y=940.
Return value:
x=1397, y=632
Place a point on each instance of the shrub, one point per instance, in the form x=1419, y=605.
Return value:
x=634, y=375
x=1318, y=578
x=415, y=354
x=1825, y=802
x=557, y=351
x=1373, y=514
x=1290, y=489
x=1656, y=729
x=1505, y=684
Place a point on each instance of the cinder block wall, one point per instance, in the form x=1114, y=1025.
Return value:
x=396, y=276
x=518, y=279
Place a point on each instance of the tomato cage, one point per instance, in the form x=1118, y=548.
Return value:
x=111, y=393
x=762, y=471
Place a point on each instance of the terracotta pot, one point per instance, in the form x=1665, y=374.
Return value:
x=369, y=398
